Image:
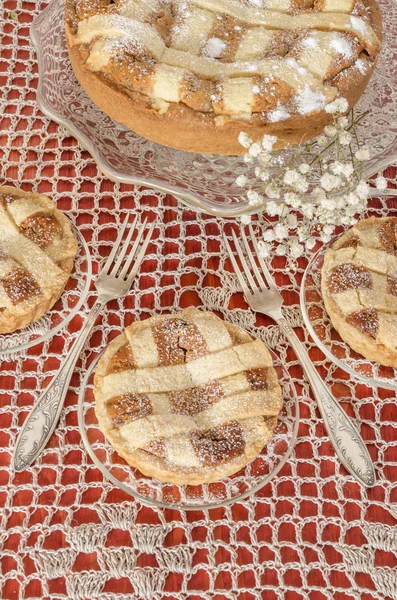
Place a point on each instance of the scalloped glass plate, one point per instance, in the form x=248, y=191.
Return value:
x=247, y=481
x=202, y=180
x=328, y=339
x=61, y=313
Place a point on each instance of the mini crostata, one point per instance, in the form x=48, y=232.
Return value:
x=37, y=250
x=359, y=286
x=192, y=74
x=187, y=398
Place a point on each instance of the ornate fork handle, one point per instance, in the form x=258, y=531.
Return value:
x=42, y=420
x=347, y=441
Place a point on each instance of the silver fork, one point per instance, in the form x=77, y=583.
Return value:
x=267, y=300
x=113, y=281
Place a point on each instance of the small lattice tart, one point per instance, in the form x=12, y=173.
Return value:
x=192, y=74
x=187, y=398
x=359, y=286
x=37, y=251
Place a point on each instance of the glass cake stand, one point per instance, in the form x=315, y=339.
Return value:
x=245, y=482
x=327, y=338
x=63, y=311
x=202, y=180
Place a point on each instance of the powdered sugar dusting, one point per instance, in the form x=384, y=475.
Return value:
x=308, y=101
x=214, y=48
x=310, y=42
x=341, y=45
x=278, y=114
x=358, y=25
x=362, y=65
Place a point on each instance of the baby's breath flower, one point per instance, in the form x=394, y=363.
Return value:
x=343, y=122
x=330, y=131
x=269, y=235
x=295, y=180
x=308, y=210
x=301, y=185
x=255, y=149
x=345, y=138
x=264, y=159
x=328, y=204
x=304, y=168
x=281, y=250
x=345, y=220
x=296, y=249
x=281, y=232
x=245, y=219
x=328, y=229
x=292, y=199
x=264, y=249
x=338, y=106
x=291, y=176
x=362, y=154
x=262, y=174
x=274, y=209
x=330, y=182
x=381, y=183
x=348, y=170
x=272, y=191
x=254, y=199
x=352, y=199
x=292, y=221
x=241, y=181
x=336, y=167
x=340, y=195
x=362, y=190
x=244, y=139
x=318, y=193
x=325, y=237
x=268, y=142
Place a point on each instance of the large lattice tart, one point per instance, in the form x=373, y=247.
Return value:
x=37, y=250
x=193, y=73
x=359, y=286
x=187, y=398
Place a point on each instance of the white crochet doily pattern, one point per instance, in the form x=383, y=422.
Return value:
x=65, y=533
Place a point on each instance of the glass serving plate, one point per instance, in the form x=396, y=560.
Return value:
x=66, y=307
x=327, y=338
x=202, y=180
x=248, y=480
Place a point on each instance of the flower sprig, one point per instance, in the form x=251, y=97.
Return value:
x=323, y=181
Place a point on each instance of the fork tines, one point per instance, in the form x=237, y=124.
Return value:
x=120, y=249
x=249, y=285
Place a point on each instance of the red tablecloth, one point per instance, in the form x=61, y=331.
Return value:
x=65, y=532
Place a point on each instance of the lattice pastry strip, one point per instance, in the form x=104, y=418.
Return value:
x=171, y=390
x=360, y=288
x=37, y=250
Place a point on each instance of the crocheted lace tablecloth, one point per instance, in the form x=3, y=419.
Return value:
x=65, y=533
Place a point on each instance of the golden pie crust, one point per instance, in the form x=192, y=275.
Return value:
x=37, y=251
x=187, y=398
x=359, y=287
x=192, y=74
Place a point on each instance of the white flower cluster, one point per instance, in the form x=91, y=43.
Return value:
x=324, y=182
